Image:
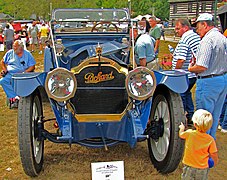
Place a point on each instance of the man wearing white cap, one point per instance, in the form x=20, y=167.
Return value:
x=211, y=69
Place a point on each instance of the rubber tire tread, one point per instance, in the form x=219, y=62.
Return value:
x=176, y=144
x=31, y=168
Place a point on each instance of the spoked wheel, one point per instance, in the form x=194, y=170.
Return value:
x=31, y=147
x=165, y=146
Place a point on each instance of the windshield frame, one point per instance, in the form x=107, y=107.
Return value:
x=104, y=20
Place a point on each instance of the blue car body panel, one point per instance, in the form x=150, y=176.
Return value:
x=26, y=83
x=175, y=80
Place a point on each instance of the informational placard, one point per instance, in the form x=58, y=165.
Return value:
x=108, y=170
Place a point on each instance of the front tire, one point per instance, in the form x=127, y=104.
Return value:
x=164, y=144
x=31, y=149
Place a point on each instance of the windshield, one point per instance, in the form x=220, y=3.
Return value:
x=90, y=20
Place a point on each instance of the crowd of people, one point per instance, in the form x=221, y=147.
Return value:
x=209, y=65
x=18, y=58
x=31, y=35
x=147, y=43
x=202, y=53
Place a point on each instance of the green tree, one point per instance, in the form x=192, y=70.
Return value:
x=162, y=9
x=112, y=4
x=141, y=7
x=23, y=9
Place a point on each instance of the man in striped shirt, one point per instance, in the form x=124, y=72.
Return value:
x=182, y=56
x=211, y=69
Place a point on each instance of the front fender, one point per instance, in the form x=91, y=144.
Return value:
x=25, y=83
x=177, y=81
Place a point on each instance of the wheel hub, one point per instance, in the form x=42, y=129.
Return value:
x=156, y=128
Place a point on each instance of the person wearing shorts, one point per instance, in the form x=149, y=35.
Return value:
x=33, y=35
x=8, y=37
x=44, y=31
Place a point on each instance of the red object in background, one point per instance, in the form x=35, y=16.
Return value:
x=166, y=61
x=16, y=27
x=16, y=36
x=1, y=39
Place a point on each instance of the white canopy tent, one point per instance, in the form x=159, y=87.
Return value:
x=139, y=17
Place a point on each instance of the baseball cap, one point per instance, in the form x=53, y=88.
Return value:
x=205, y=17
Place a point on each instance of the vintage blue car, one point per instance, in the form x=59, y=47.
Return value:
x=98, y=95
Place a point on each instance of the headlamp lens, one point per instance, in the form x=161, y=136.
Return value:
x=61, y=84
x=140, y=83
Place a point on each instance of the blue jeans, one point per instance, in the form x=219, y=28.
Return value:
x=210, y=95
x=7, y=86
x=223, y=117
x=187, y=99
x=9, y=45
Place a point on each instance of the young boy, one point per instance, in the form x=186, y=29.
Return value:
x=199, y=146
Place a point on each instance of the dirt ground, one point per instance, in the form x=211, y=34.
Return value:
x=65, y=163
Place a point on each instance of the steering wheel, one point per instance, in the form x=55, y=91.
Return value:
x=105, y=25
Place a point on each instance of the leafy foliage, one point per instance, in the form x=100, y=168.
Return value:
x=41, y=8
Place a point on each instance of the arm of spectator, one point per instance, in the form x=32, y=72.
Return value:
x=39, y=34
x=157, y=42
x=29, y=33
x=143, y=62
x=182, y=128
x=30, y=69
x=179, y=64
x=214, y=156
x=196, y=68
x=24, y=34
x=4, y=38
x=3, y=66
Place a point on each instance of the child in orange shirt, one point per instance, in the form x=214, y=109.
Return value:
x=225, y=33
x=199, y=147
